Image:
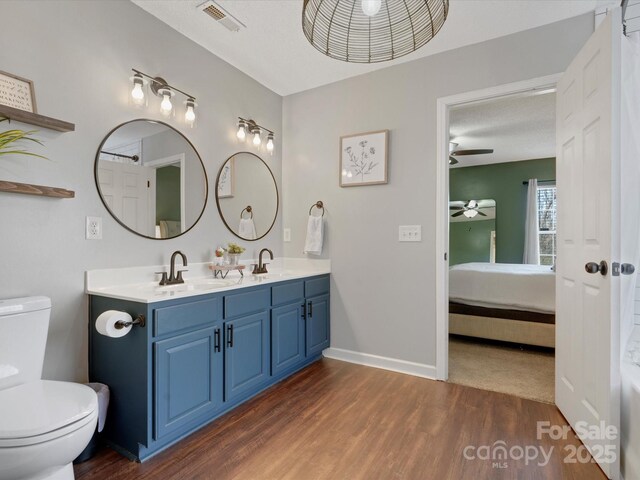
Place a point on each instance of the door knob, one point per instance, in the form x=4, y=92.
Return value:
x=627, y=269
x=593, y=267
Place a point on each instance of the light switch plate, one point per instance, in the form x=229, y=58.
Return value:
x=410, y=233
x=94, y=228
x=287, y=235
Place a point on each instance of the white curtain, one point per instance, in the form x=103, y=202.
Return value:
x=531, y=245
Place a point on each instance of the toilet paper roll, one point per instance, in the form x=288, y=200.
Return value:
x=106, y=323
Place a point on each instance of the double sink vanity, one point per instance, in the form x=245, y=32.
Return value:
x=199, y=345
x=206, y=346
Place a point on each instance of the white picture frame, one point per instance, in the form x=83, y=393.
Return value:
x=17, y=92
x=226, y=180
x=363, y=159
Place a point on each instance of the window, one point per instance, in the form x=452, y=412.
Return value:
x=547, y=224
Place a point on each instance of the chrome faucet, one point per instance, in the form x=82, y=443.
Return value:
x=262, y=267
x=173, y=277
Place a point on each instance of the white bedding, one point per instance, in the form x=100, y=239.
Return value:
x=504, y=285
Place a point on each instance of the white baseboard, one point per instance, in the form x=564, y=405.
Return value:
x=385, y=363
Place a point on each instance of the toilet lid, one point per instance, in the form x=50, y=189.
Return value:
x=36, y=408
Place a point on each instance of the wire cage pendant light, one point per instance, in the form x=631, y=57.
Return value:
x=371, y=31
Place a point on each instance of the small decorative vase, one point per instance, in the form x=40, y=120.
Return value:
x=233, y=258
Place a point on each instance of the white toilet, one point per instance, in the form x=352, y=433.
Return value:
x=44, y=425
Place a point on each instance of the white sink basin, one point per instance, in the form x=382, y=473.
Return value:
x=192, y=285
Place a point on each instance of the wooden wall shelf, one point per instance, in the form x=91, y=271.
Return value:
x=40, y=190
x=36, y=119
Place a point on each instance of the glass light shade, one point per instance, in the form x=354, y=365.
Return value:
x=270, y=145
x=166, y=106
x=190, y=113
x=470, y=213
x=371, y=7
x=256, y=137
x=242, y=132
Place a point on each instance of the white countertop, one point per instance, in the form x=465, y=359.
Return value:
x=140, y=284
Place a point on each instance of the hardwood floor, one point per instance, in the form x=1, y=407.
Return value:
x=336, y=420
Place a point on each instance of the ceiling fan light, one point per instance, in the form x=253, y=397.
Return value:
x=470, y=213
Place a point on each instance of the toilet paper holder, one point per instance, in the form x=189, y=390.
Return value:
x=140, y=320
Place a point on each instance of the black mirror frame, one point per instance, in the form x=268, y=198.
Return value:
x=204, y=171
x=275, y=184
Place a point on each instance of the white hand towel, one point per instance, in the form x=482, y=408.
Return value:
x=247, y=229
x=313, y=244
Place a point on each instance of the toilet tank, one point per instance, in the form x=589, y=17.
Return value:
x=24, y=323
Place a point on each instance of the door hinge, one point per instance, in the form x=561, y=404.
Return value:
x=445, y=256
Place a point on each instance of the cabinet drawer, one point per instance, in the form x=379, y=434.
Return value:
x=288, y=293
x=246, y=302
x=186, y=316
x=317, y=286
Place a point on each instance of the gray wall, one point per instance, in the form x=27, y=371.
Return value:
x=79, y=54
x=383, y=292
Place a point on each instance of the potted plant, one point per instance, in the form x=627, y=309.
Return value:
x=9, y=138
x=233, y=252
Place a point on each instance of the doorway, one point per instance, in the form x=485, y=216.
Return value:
x=445, y=148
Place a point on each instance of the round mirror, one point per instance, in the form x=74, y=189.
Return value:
x=247, y=196
x=151, y=179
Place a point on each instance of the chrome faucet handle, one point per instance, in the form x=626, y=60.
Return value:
x=163, y=280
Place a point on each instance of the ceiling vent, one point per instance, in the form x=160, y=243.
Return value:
x=221, y=16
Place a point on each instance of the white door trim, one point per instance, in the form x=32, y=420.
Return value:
x=442, y=201
x=178, y=158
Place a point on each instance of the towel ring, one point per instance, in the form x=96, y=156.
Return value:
x=249, y=210
x=319, y=205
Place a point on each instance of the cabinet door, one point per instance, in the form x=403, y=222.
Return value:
x=317, y=324
x=287, y=337
x=246, y=354
x=188, y=378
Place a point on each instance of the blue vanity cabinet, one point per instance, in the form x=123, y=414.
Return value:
x=317, y=315
x=199, y=357
x=188, y=379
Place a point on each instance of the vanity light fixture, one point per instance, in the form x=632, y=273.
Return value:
x=250, y=126
x=161, y=88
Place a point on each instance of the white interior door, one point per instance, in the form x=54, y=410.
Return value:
x=126, y=190
x=588, y=304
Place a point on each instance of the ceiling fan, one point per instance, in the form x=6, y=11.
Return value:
x=469, y=209
x=454, y=153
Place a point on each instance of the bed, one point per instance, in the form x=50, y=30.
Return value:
x=500, y=301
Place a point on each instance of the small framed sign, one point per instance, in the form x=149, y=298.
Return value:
x=17, y=92
x=363, y=159
x=226, y=180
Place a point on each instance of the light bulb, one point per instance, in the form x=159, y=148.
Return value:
x=256, y=137
x=349, y=174
x=242, y=133
x=344, y=172
x=137, y=94
x=371, y=7
x=270, y=142
x=470, y=213
x=190, y=114
x=166, y=106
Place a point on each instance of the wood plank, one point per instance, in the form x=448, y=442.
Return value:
x=335, y=420
x=36, y=119
x=41, y=190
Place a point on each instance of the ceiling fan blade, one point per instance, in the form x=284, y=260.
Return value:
x=453, y=207
x=480, y=213
x=457, y=214
x=478, y=151
x=452, y=161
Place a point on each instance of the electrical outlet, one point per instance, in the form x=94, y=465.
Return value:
x=287, y=235
x=410, y=233
x=94, y=228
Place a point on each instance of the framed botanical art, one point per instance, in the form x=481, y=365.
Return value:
x=363, y=158
x=226, y=180
x=17, y=92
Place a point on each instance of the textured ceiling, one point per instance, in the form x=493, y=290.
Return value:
x=274, y=51
x=517, y=128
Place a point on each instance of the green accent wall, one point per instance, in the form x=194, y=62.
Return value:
x=503, y=183
x=470, y=241
x=167, y=193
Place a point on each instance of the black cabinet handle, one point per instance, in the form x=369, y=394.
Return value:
x=230, y=336
x=310, y=309
x=304, y=311
x=216, y=340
